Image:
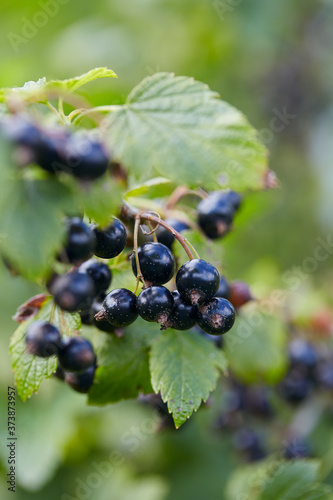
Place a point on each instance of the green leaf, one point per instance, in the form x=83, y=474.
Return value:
x=159, y=187
x=255, y=347
x=278, y=480
x=296, y=480
x=100, y=200
x=31, y=223
x=29, y=370
x=35, y=91
x=123, y=369
x=184, y=368
x=178, y=128
x=72, y=84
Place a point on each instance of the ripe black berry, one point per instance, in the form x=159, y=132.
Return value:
x=80, y=240
x=240, y=293
x=111, y=240
x=249, y=442
x=216, y=316
x=50, y=152
x=197, y=281
x=42, y=339
x=81, y=382
x=73, y=291
x=85, y=157
x=76, y=354
x=155, y=303
x=302, y=355
x=224, y=289
x=295, y=387
x=99, y=272
x=183, y=315
x=120, y=307
x=234, y=198
x=165, y=237
x=156, y=262
x=19, y=130
x=216, y=212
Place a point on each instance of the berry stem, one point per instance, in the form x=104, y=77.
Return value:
x=183, y=241
x=135, y=249
x=179, y=193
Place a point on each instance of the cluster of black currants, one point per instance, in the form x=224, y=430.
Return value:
x=56, y=150
x=309, y=369
x=83, y=289
x=77, y=359
x=194, y=301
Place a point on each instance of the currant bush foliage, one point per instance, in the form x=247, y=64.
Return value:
x=171, y=131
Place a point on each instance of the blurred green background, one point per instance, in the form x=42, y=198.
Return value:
x=269, y=59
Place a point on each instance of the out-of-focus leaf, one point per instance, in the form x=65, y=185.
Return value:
x=255, y=347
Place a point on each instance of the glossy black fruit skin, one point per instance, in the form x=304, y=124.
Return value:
x=215, y=214
x=155, y=303
x=111, y=240
x=76, y=354
x=42, y=339
x=99, y=272
x=81, y=382
x=73, y=291
x=85, y=157
x=224, y=289
x=81, y=240
x=183, y=315
x=165, y=237
x=156, y=262
x=216, y=316
x=120, y=307
x=197, y=281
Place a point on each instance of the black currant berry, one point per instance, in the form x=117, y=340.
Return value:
x=234, y=198
x=295, y=387
x=76, y=354
x=165, y=237
x=42, y=339
x=155, y=303
x=120, y=307
x=19, y=130
x=240, y=293
x=73, y=291
x=50, y=152
x=183, y=315
x=296, y=448
x=215, y=213
x=249, y=442
x=156, y=262
x=80, y=240
x=99, y=272
x=302, y=355
x=81, y=382
x=197, y=281
x=111, y=240
x=224, y=289
x=85, y=157
x=216, y=316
